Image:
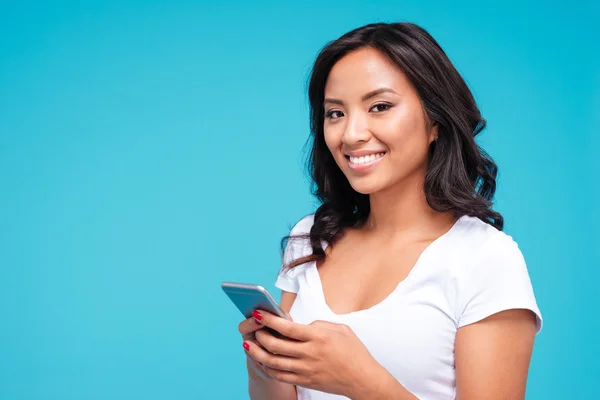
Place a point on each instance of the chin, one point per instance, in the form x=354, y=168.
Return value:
x=366, y=187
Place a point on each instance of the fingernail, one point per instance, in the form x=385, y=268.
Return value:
x=246, y=346
x=260, y=363
x=257, y=315
x=258, y=322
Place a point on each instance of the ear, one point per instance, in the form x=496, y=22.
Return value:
x=433, y=133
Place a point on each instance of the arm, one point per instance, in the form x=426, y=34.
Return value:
x=492, y=356
x=265, y=389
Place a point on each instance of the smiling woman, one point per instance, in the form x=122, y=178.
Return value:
x=402, y=284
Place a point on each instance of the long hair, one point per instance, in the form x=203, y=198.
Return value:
x=460, y=177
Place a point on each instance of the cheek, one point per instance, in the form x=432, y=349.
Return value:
x=333, y=140
x=405, y=133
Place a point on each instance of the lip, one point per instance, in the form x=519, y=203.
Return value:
x=365, y=166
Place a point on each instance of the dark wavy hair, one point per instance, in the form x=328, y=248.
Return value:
x=460, y=177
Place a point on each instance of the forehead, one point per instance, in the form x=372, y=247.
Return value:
x=361, y=71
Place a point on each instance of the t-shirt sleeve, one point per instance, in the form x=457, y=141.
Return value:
x=497, y=280
x=288, y=280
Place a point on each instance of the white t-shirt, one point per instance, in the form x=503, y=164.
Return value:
x=464, y=276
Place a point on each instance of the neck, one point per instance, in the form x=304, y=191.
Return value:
x=403, y=209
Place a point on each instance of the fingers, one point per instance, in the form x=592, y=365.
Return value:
x=287, y=328
x=279, y=346
x=281, y=363
x=284, y=376
x=259, y=371
x=249, y=325
x=255, y=369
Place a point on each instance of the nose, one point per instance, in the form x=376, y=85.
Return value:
x=356, y=130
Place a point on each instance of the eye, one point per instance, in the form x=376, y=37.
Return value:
x=377, y=108
x=333, y=114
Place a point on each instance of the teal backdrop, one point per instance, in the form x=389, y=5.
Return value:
x=150, y=150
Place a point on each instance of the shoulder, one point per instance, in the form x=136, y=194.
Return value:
x=492, y=276
x=492, y=243
x=477, y=239
x=478, y=254
x=303, y=226
x=298, y=245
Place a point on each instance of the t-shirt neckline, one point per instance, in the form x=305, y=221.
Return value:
x=316, y=278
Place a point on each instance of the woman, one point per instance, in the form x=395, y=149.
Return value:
x=402, y=285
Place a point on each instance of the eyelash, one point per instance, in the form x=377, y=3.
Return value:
x=386, y=106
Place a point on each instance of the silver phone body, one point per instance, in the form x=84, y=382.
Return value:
x=249, y=297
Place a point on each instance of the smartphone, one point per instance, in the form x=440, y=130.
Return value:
x=249, y=297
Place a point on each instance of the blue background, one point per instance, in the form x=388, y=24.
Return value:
x=151, y=150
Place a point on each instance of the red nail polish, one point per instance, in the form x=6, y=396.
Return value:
x=260, y=363
x=257, y=315
x=257, y=322
x=246, y=346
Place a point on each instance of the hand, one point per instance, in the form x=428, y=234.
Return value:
x=323, y=356
x=248, y=329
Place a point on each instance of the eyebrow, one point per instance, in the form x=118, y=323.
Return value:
x=366, y=97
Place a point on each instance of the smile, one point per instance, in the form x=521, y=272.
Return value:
x=365, y=162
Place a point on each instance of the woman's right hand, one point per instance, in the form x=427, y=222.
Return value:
x=262, y=386
x=247, y=328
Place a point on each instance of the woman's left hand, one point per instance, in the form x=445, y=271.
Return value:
x=323, y=356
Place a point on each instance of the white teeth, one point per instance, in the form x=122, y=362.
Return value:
x=365, y=159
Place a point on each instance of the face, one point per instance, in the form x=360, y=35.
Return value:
x=375, y=126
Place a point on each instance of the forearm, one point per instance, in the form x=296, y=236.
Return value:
x=379, y=384
x=269, y=389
